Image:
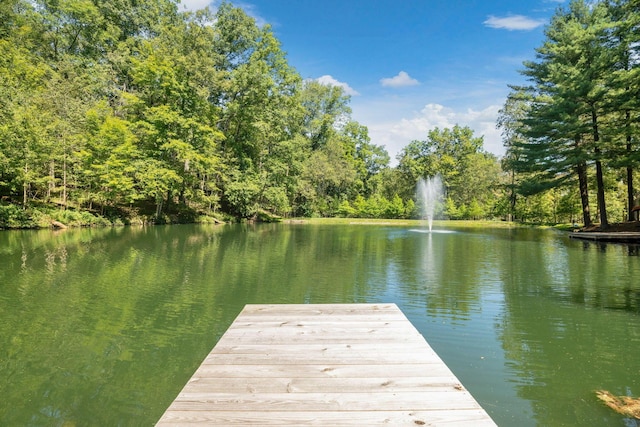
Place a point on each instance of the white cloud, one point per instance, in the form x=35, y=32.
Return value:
x=397, y=134
x=513, y=22
x=328, y=80
x=401, y=80
x=194, y=5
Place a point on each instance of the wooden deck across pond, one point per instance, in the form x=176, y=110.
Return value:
x=334, y=365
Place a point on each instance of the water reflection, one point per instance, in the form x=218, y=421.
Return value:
x=432, y=231
x=430, y=269
x=631, y=249
x=104, y=326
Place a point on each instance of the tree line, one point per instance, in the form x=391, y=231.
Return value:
x=574, y=127
x=119, y=108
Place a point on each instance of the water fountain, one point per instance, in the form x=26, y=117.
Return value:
x=429, y=196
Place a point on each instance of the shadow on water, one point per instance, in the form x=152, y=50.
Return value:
x=632, y=249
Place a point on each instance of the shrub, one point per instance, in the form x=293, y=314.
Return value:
x=13, y=216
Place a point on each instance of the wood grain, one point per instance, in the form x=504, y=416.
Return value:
x=323, y=364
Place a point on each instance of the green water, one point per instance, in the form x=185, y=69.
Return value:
x=104, y=326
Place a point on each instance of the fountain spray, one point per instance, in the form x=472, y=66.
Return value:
x=429, y=194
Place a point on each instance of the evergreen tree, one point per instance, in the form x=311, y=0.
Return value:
x=623, y=41
x=563, y=124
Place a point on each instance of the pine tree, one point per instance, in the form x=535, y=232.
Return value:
x=563, y=126
x=623, y=41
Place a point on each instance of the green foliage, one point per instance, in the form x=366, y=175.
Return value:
x=410, y=209
x=325, y=112
x=475, y=211
x=376, y=206
x=77, y=219
x=578, y=117
x=452, y=211
x=275, y=200
x=242, y=195
x=345, y=210
x=137, y=109
x=395, y=208
x=468, y=173
x=12, y=216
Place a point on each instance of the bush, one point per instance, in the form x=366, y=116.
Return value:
x=78, y=219
x=13, y=216
x=345, y=210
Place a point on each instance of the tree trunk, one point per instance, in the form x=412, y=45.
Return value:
x=581, y=170
x=602, y=206
x=25, y=186
x=630, y=195
x=64, y=180
x=159, y=201
x=169, y=201
x=584, y=193
x=52, y=179
x=513, y=197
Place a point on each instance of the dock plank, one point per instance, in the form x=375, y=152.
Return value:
x=317, y=371
x=322, y=385
x=323, y=364
x=460, y=418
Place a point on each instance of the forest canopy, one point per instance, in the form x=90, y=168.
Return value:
x=118, y=109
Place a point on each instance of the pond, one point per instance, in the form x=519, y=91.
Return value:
x=105, y=326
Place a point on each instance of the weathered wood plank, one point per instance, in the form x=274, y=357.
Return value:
x=332, y=364
x=325, y=332
x=447, y=398
x=318, y=338
x=319, y=371
x=356, y=348
x=460, y=418
x=322, y=385
x=277, y=324
x=320, y=309
x=306, y=317
x=391, y=353
x=302, y=358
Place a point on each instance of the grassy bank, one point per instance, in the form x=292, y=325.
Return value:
x=15, y=217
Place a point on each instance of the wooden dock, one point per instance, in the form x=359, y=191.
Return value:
x=619, y=236
x=333, y=365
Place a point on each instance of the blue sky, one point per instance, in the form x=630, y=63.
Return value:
x=410, y=65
